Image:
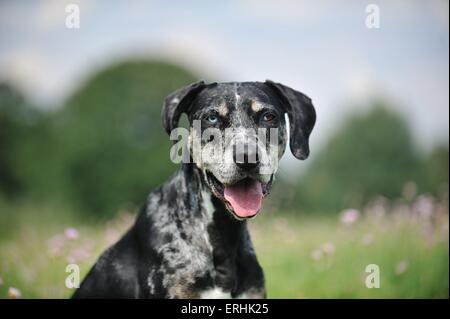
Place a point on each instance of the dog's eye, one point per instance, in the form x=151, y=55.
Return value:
x=268, y=117
x=212, y=118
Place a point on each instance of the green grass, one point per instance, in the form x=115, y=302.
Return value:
x=286, y=247
x=413, y=254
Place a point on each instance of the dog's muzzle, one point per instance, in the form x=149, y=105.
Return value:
x=242, y=198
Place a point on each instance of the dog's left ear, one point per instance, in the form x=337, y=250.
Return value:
x=302, y=117
x=178, y=102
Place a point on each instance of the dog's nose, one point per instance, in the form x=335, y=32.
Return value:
x=245, y=157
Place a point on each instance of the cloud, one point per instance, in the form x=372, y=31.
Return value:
x=319, y=47
x=24, y=68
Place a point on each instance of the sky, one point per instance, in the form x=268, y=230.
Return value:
x=321, y=48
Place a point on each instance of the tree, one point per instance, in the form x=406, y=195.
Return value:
x=17, y=121
x=436, y=170
x=111, y=143
x=370, y=155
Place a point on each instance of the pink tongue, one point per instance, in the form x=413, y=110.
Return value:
x=245, y=197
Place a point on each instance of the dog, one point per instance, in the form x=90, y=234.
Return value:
x=190, y=239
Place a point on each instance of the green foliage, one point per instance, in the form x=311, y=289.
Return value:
x=370, y=155
x=298, y=262
x=104, y=148
x=19, y=125
x=9, y=181
x=295, y=254
x=107, y=147
x=111, y=138
x=436, y=170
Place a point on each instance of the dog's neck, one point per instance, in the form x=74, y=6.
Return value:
x=226, y=234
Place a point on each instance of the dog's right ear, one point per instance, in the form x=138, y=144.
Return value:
x=178, y=102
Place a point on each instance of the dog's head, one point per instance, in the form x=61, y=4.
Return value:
x=238, y=134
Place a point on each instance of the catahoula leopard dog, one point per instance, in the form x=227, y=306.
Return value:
x=190, y=239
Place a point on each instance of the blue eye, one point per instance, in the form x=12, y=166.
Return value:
x=212, y=118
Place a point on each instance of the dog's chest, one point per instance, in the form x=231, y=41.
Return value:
x=192, y=274
x=189, y=260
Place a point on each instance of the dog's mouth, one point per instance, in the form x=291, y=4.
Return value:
x=243, y=198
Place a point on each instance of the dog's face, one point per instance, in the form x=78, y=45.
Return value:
x=238, y=134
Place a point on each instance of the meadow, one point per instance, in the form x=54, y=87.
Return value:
x=303, y=256
x=80, y=140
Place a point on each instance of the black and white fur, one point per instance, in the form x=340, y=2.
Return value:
x=186, y=241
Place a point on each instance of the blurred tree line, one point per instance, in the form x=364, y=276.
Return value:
x=370, y=155
x=103, y=148
x=106, y=147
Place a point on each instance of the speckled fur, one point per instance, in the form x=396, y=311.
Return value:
x=184, y=243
